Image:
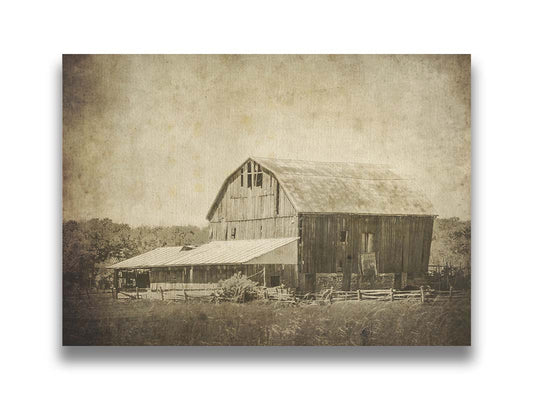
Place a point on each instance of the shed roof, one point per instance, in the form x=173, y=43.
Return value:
x=214, y=253
x=230, y=251
x=338, y=187
x=152, y=258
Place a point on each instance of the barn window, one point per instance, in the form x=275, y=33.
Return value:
x=233, y=233
x=249, y=167
x=258, y=176
x=242, y=177
x=367, y=242
x=277, y=198
x=344, y=236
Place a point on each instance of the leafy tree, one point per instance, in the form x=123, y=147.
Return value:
x=461, y=243
x=88, y=245
x=451, y=242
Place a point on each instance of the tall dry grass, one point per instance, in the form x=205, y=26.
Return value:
x=101, y=320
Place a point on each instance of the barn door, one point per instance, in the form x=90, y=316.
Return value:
x=346, y=276
x=309, y=283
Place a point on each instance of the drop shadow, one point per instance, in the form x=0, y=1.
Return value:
x=267, y=355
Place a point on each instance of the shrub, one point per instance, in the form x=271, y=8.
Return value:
x=238, y=288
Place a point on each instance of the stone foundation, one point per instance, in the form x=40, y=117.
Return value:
x=416, y=282
x=327, y=281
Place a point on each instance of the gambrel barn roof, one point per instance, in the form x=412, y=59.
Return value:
x=338, y=187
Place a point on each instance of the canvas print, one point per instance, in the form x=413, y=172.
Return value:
x=266, y=200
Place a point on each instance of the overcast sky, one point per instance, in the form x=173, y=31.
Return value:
x=150, y=139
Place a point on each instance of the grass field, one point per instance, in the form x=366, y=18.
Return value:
x=101, y=320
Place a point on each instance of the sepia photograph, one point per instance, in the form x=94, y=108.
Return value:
x=305, y=200
x=266, y=200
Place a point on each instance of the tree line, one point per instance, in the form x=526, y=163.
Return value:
x=451, y=242
x=90, y=245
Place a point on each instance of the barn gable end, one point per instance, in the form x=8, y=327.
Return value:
x=252, y=204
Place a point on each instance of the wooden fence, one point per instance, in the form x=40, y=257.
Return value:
x=285, y=295
x=169, y=294
x=424, y=294
x=442, y=277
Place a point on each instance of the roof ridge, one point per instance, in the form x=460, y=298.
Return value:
x=256, y=240
x=345, y=177
x=368, y=187
x=320, y=162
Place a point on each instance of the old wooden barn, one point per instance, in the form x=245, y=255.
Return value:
x=310, y=225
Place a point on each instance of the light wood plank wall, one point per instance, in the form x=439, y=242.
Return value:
x=255, y=212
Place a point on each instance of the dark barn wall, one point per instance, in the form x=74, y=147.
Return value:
x=401, y=243
x=199, y=274
x=257, y=212
x=174, y=277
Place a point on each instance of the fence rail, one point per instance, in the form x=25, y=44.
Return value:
x=285, y=295
x=332, y=296
x=165, y=294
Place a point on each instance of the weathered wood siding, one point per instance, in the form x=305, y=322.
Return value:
x=255, y=229
x=401, y=244
x=256, y=212
x=178, y=277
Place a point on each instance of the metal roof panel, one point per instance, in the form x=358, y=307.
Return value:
x=155, y=257
x=213, y=253
x=229, y=252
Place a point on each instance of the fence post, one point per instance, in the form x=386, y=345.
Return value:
x=359, y=295
x=391, y=294
x=136, y=292
x=422, y=294
x=450, y=295
x=185, y=296
x=112, y=292
x=162, y=293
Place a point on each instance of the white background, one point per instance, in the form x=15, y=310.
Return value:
x=33, y=37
